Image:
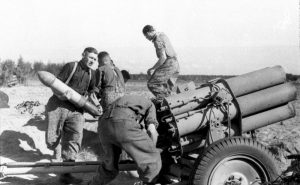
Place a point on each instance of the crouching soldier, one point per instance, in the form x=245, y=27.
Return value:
x=120, y=128
x=65, y=120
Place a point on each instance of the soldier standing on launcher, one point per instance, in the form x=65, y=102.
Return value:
x=165, y=72
x=65, y=120
x=121, y=128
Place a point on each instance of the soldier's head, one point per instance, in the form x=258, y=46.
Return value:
x=89, y=57
x=104, y=59
x=149, y=32
x=126, y=75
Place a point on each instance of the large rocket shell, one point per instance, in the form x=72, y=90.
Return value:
x=189, y=100
x=256, y=80
x=249, y=104
x=51, y=81
x=199, y=120
x=267, y=98
x=240, y=85
x=268, y=117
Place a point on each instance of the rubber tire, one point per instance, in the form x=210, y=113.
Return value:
x=218, y=151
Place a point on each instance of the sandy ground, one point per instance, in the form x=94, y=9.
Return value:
x=22, y=136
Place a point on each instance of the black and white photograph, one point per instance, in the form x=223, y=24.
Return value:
x=161, y=92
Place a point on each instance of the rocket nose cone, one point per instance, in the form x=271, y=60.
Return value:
x=46, y=78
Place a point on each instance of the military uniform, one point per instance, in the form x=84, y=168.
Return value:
x=65, y=120
x=111, y=85
x=119, y=129
x=163, y=80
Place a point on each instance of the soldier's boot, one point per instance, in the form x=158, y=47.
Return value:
x=57, y=154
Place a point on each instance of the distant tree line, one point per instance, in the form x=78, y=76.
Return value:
x=25, y=70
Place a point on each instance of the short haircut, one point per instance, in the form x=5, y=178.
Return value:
x=90, y=50
x=147, y=29
x=102, y=54
x=126, y=75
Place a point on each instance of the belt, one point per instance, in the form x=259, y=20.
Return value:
x=120, y=113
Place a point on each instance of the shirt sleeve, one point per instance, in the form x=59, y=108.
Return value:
x=120, y=77
x=65, y=72
x=99, y=78
x=150, y=116
x=159, y=46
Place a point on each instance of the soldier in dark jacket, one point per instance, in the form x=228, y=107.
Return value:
x=121, y=127
x=65, y=120
x=110, y=81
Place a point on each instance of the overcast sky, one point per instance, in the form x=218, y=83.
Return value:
x=210, y=36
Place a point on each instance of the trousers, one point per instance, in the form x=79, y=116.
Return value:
x=126, y=134
x=65, y=129
x=163, y=80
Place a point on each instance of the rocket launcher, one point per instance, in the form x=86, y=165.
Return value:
x=191, y=120
x=224, y=108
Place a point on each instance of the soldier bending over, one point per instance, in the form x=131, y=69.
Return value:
x=120, y=128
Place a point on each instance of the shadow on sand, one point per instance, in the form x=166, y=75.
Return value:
x=42, y=179
x=90, y=139
x=39, y=122
x=10, y=147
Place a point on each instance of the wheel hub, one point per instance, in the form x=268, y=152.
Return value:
x=236, y=179
x=237, y=170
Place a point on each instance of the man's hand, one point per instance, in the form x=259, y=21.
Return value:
x=100, y=109
x=68, y=94
x=150, y=71
x=152, y=132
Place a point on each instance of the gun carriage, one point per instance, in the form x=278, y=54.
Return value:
x=207, y=133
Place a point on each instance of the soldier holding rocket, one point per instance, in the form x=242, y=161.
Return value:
x=65, y=120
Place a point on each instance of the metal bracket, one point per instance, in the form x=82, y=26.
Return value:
x=216, y=131
x=223, y=97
